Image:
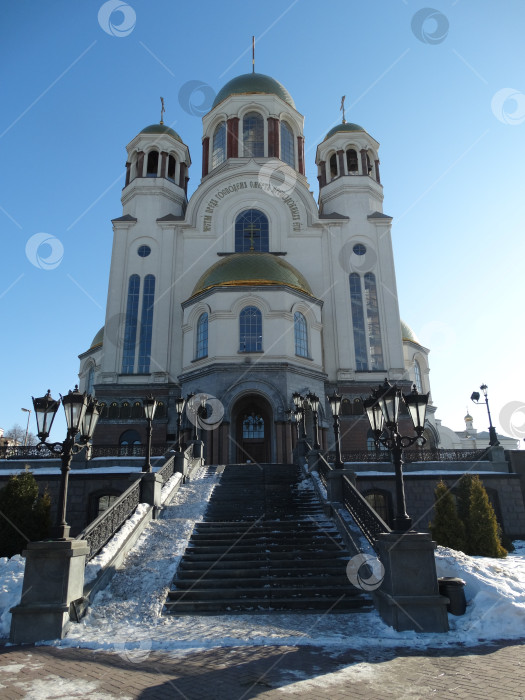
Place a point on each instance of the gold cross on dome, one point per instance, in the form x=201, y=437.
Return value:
x=251, y=230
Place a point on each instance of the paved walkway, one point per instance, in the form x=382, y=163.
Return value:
x=270, y=673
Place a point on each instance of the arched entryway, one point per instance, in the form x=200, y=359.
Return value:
x=252, y=429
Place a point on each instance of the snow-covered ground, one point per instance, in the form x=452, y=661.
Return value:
x=127, y=616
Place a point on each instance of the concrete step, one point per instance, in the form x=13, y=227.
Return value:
x=233, y=606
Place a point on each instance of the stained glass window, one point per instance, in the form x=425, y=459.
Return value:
x=251, y=232
x=253, y=135
x=250, y=327
x=301, y=336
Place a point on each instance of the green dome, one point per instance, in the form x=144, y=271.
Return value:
x=248, y=269
x=253, y=83
x=343, y=127
x=98, y=339
x=161, y=129
x=408, y=334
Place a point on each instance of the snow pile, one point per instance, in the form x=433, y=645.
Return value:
x=11, y=579
x=495, y=592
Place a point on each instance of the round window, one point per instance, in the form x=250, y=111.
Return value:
x=359, y=249
x=144, y=251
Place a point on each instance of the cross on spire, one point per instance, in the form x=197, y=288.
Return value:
x=162, y=110
x=342, y=108
x=251, y=230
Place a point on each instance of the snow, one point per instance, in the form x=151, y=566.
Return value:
x=127, y=617
x=11, y=579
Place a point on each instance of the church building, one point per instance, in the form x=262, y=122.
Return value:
x=250, y=290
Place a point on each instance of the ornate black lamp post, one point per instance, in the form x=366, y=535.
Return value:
x=313, y=400
x=82, y=413
x=382, y=410
x=150, y=406
x=298, y=413
x=180, y=403
x=335, y=405
x=493, y=438
x=299, y=402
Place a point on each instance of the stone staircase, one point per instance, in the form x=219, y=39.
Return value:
x=265, y=545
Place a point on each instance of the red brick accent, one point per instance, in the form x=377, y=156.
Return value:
x=322, y=175
x=163, y=163
x=205, y=155
x=140, y=163
x=232, y=137
x=341, y=158
x=300, y=154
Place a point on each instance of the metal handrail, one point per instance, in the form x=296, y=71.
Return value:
x=369, y=521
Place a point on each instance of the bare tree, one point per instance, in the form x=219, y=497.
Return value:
x=18, y=435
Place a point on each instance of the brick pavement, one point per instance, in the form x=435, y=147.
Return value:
x=268, y=673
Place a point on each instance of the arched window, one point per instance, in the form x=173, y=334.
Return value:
x=417, y=377
x=90, y=381
x=287, y=145
x=374, y=328
x=333, y=166
x=369, y=166
x=114, y=410
x=201, y=347
x=171, y=168
x=251, y=232
x=130, y=331
x=358, y=322
x=250, y=330
x=129, y=442
x=351, y=161
x=125, y=410
x=253, y=135
x=218, y=154
x=152, y=167
x=253, y=427
x=160, y=411
x=301, y=336
x=146, y=324
x=103, y=410
x=137, y=411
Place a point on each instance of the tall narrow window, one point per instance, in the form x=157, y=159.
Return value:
x=251, y=232
x=333, y=166
x=218, y=154
x=301, y=337
x=287, y=145
x=201, y=349
x=253, y=135
x=358, y=322
x=351, y=161
x=90, y=381
x=374, y=328
x=146, y=324
x=171, y=168
x=130, y=330
x=153, y=164
x=250, y=328
x=417, y=375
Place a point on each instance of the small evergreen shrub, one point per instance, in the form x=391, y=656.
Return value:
x=447, y=528
x=25, y=516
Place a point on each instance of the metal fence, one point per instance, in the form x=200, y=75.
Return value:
x=366, y=517
x=413, y=455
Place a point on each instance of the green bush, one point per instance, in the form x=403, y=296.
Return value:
x=484, y=536
x=25, y=516
x=447, y=529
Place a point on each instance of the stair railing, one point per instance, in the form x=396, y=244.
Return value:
x=366, y=517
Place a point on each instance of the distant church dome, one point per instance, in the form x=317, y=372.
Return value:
x=253, y=84
x=247, y=269
x=343, y=127
x=408, y=334
x=98, y=339
x=161, y=129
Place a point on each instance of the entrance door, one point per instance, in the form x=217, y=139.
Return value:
x=253, y=432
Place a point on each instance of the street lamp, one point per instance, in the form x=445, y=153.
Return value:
x=150, y=406
x=335, y=405
x=82, y=414
x=382, y=411
x=298, y=413
x=180, y=403
x=313, y=400
x=299, y=402
x=28, y=411
x=493, y=438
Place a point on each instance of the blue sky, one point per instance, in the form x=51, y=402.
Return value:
x=442, y=91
